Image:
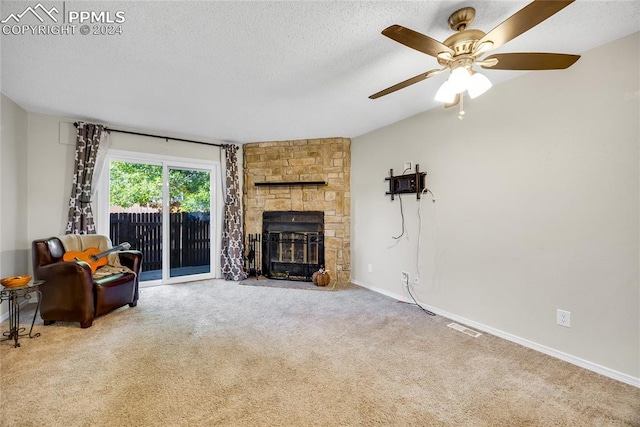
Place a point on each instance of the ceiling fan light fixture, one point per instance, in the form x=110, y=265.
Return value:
x=478, y=84
x=459, y=79
x=445, y=94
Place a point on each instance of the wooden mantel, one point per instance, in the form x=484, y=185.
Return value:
x=289, y=183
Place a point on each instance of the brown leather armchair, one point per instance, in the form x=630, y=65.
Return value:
x=71, y=293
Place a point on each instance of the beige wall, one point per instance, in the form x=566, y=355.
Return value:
x=171, y=148
x=51, y=160
x=537, y=209
x=14, y=245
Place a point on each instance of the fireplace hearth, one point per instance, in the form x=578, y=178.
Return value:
x=292, y=244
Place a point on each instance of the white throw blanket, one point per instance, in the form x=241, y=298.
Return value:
x=82, y=242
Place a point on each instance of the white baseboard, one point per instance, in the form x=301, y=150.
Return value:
x=602, y=370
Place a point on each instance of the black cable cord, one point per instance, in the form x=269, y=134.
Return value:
x=401, y=211
x=416, y=302
x=402, y=215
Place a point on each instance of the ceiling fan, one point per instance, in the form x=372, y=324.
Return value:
x=464, y=49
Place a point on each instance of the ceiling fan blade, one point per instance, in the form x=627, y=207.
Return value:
x=407, y=82
x=454, y=103
x=523, y=20
x=532, y=61
x=415, y=40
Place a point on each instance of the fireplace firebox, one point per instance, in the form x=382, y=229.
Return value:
x=292, y=244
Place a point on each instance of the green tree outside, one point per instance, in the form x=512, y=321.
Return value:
x=140, y=184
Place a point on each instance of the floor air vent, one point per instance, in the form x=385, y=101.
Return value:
x=464, y=330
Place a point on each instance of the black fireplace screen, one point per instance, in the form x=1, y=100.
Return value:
x=292, y=244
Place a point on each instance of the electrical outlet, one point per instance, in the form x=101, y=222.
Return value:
x=563, y=318
x=370, y=268
x=416, y=280
x=408, y=166
x=404, y=277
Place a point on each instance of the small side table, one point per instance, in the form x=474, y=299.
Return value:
x=13, y=295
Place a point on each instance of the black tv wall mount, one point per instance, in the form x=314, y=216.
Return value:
x=405, y=184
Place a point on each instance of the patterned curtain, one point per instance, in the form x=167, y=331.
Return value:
x=232, y=262
x=88, y=140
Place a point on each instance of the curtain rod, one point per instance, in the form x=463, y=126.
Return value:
x=157, y=136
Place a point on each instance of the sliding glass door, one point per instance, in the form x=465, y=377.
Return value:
x=189, y=222
x=165, y=210
x=135, y=212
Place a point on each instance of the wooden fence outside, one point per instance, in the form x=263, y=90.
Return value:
x=189, y=237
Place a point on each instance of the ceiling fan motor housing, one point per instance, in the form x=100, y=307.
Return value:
x=462, y=43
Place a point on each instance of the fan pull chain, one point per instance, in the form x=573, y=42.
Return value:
x=461, y=115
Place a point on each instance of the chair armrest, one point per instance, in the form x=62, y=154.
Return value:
x=131, y=259
x=67, y=286
x=76, y=272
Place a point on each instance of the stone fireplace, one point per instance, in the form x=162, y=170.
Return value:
x=304, y=177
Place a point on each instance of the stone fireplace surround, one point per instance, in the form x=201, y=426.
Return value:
x=327, y=160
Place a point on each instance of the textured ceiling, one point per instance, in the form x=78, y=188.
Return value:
x=256, y=71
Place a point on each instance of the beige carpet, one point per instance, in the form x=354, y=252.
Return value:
x=216, y=353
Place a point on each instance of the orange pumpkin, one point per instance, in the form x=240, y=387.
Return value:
x=321, y=278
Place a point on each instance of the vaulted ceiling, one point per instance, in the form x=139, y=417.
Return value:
x=255, y=71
